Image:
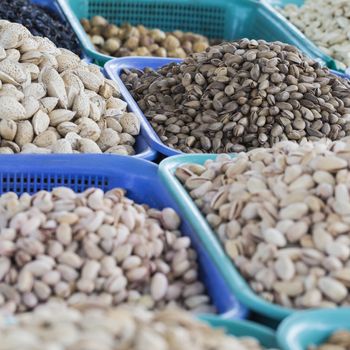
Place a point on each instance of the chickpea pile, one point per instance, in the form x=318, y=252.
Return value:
x=129, y=40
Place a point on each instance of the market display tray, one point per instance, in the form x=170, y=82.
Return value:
x=31, y=173
x=114, y=69
x=220, y=19
x=237, y=284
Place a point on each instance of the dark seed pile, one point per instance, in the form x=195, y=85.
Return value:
x=242, y=95
x=41, y=22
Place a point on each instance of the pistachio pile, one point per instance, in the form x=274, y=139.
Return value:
x=339, y=340
x=94, y=247
x=242, y=95
x=55, y=326
x=51, y=101
x=129, y=40
x=326, y=23
x=282, y=214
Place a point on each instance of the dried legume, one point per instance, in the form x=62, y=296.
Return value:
x=129, y=40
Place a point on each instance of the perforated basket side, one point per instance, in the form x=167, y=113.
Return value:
x=213, y=19
x=31, y=183
x=198, y=17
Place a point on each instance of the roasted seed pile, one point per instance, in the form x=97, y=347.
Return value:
x=242, y=95
x=51, y=101
x=94, y=247
x=128, y=40
x=326, y=23
x=282, y=215
x=40, y=22
x=57, y=327
x=339, y=340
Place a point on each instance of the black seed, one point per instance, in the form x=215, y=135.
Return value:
x=41, y=22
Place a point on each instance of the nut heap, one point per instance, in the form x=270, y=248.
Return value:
x=128, y=40
x=50, y=101
x=326, y=23
x=339, y=340
x=55, y=326
x=94, y=247
x=40, y=21
x=283, y=216
x=242, y=95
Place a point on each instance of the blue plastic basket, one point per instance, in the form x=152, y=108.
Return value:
x=115, y=67
x=307, y=328
x=31, y=173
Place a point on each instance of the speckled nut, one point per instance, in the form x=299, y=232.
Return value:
x=50, y=99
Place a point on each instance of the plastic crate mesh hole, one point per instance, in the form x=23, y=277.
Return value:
x=208, y=20
x=21, y=183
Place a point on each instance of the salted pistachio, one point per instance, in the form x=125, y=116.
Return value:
x=330, y=31
x=281, y=215
x=123, y=327
x=120, y=256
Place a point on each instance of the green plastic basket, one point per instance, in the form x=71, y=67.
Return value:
x=274, y=4
x=311, y=327
x=240, y=328
x=219, y=19
x=240, y=288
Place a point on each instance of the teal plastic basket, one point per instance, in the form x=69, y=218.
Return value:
x=219, y=19
x=237, y=284
x=307, y=328
x=240, y=328
x=294, y=31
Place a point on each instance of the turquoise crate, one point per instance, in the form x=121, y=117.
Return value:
x=240, y=328
x=307, y=328
x=240, y=288
x=295, y=32
x=220, y=19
